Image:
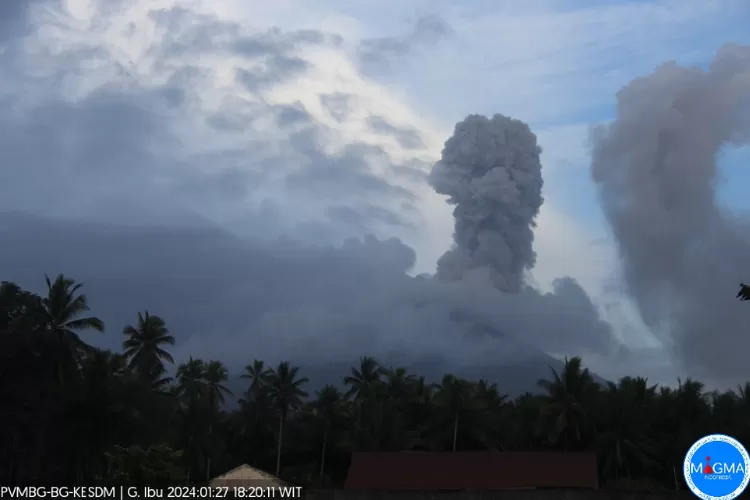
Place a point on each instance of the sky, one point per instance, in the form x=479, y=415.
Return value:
x=292, y=126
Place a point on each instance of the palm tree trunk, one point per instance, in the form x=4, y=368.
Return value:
x=208, y=455
x=278, y=446
x=323, y=455
x=39, y=463
x=455, y=432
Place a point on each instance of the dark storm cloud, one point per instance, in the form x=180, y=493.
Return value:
x=656, y=170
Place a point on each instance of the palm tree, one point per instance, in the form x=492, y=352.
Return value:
x=692, y=405
x=525, y=423
x=566, y=401
x=101, y=406
x=488, y=396
x=191, y=390
x=257, y=374
x=422, y=391
x=489, y=418
x=20, y=311
x=743, y=403
x=743, y=393
x=285, y=390
x=143, y=347
x=215, y=375
x=328, y=406
x=362, y=381
x=399, y=383
x=419, y=412
x=61, y=309
x=367, y=391
x=455, y=396
x=624, y=440
x=191, y=380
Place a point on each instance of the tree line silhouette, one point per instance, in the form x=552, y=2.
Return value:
x=74, y=414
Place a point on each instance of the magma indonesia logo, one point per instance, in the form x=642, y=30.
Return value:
x=716, y=468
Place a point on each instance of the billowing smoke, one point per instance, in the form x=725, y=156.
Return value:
x=656, y=169
x=490, y=170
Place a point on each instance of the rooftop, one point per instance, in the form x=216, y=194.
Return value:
x=471, y=470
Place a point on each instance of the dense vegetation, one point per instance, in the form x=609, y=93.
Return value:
x=71, y=413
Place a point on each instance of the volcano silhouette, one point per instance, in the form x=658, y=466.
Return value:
x=708, y=469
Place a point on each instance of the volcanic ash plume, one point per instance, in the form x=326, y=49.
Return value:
x=655, y=166
x=491, y=172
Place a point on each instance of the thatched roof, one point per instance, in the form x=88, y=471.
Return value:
x=244, y=475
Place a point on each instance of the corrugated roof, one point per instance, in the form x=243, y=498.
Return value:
x=471, y=470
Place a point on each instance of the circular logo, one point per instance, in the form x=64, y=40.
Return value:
x=716, y=468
